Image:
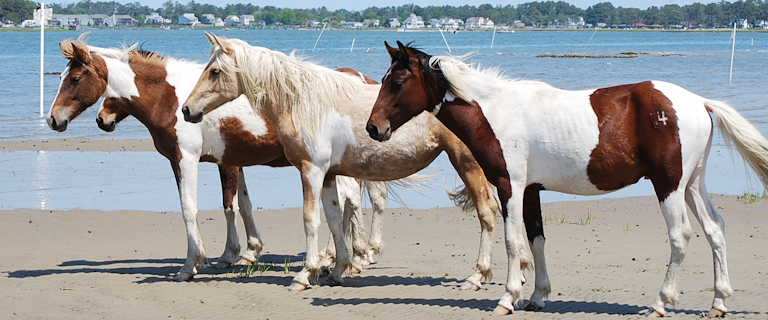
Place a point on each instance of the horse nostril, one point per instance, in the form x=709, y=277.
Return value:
x=373, y=131
x=190, y=118
x=99, y=121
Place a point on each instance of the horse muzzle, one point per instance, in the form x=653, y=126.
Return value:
x=108, y=127
x=196, y=118
x=57, y=126
x=375, y=134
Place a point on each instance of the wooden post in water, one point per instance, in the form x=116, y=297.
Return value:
x=494, y=36
x=318, y=37
x=353, y=45
x=733, y=52
x=42, y=54
x=446, y=41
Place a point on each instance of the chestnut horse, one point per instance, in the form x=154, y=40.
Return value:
x=317, y=112
x=150, y=88
x=529, y=136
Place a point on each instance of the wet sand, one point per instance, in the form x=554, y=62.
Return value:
x=83, y=264
x=78, y=144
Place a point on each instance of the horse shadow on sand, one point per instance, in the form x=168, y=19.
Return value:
x=283, y=267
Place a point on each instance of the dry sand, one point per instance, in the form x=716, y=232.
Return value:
x=84, y=264
x=119, y=264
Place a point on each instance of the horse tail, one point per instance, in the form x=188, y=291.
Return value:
x=740, y=134
x=415, y=182
x=460, y=197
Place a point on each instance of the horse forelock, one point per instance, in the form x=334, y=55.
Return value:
x=302, y=88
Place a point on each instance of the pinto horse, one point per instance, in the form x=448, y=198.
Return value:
x=529, y=136
x=316, y=112
x=150, y=87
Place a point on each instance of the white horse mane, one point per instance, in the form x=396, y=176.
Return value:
x=305, y=89
x=454, y=70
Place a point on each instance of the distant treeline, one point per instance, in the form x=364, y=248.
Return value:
x=539, y=14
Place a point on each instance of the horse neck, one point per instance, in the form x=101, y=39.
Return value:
x=120, y=80
x=156, y=102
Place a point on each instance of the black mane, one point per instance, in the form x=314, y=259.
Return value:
x=433, y=73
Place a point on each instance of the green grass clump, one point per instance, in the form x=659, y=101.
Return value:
x=749, y=197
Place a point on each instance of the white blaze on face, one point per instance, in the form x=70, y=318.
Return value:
x=61, y=81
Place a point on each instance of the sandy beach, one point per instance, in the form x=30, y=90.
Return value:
x=87, y=264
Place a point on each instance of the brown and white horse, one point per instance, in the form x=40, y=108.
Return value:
x=150, y=88
x=317, y=112
x=529, y=136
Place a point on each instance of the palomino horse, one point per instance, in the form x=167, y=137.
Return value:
x=317, y=112
x=150, y=88
x=529, y=136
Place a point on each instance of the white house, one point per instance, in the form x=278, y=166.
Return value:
x=371, y=22
x=413, y=21
x=247, y=19
x=478, y=23
x=393, y=23
x=156, y=18
x=449, y=23
x=188, y=19
x=121, y=20
x=352, y=24
x=232, y=20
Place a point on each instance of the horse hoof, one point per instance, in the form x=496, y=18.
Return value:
x=355, y=270
x=366, y=262
x=654, y=314
x=183, y=276
x=501, y=311
x=223, y=264
x=296, y=287
x=332, y=283
x=534, y=305
x=716, y=313
x=469, y=286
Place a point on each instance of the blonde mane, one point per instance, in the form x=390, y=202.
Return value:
x=455, y=70
x=304, y=89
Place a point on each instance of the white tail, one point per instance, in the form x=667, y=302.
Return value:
x=741, y=134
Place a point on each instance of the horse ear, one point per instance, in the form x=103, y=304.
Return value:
x=402, y=48
x=210, y=38
x=225, y=46
x=81, y=54
x=392, y=51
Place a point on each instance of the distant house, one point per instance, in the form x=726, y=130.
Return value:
x=351, y=24
x=413, y=21
x=478, y=23
x=247, y=20
x=121, y=20
x=99, y=19
x=155, y=18
x=188, y=19
x=232, y=21
x=393, y=23
x=371, y=23
x=447, y=23
x=210, y=19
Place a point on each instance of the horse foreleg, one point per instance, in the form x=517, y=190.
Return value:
x=377, y=192
x=714, y=228
x=311, y=184
x=516, y=251
x=535, y=230
x=229, y=176
x=679, y=229
x=253, y=238
x=334, y=217
x=185, y=171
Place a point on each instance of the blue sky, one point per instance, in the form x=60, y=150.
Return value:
x=362, y=4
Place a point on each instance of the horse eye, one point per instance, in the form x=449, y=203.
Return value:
x=75, y=79
x=216, y=71
x=398, y=84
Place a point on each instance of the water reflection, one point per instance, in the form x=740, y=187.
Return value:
x=43, y=182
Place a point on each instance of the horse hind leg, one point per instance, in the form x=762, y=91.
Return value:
x=378, y=193
x=679, y=230
x=714, y=228
x=253, y=238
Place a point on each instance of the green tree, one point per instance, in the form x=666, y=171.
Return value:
x=288, y=17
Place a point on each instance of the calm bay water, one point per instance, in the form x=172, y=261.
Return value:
x=696, y=61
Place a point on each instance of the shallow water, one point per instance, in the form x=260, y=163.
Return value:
x=90, y=180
